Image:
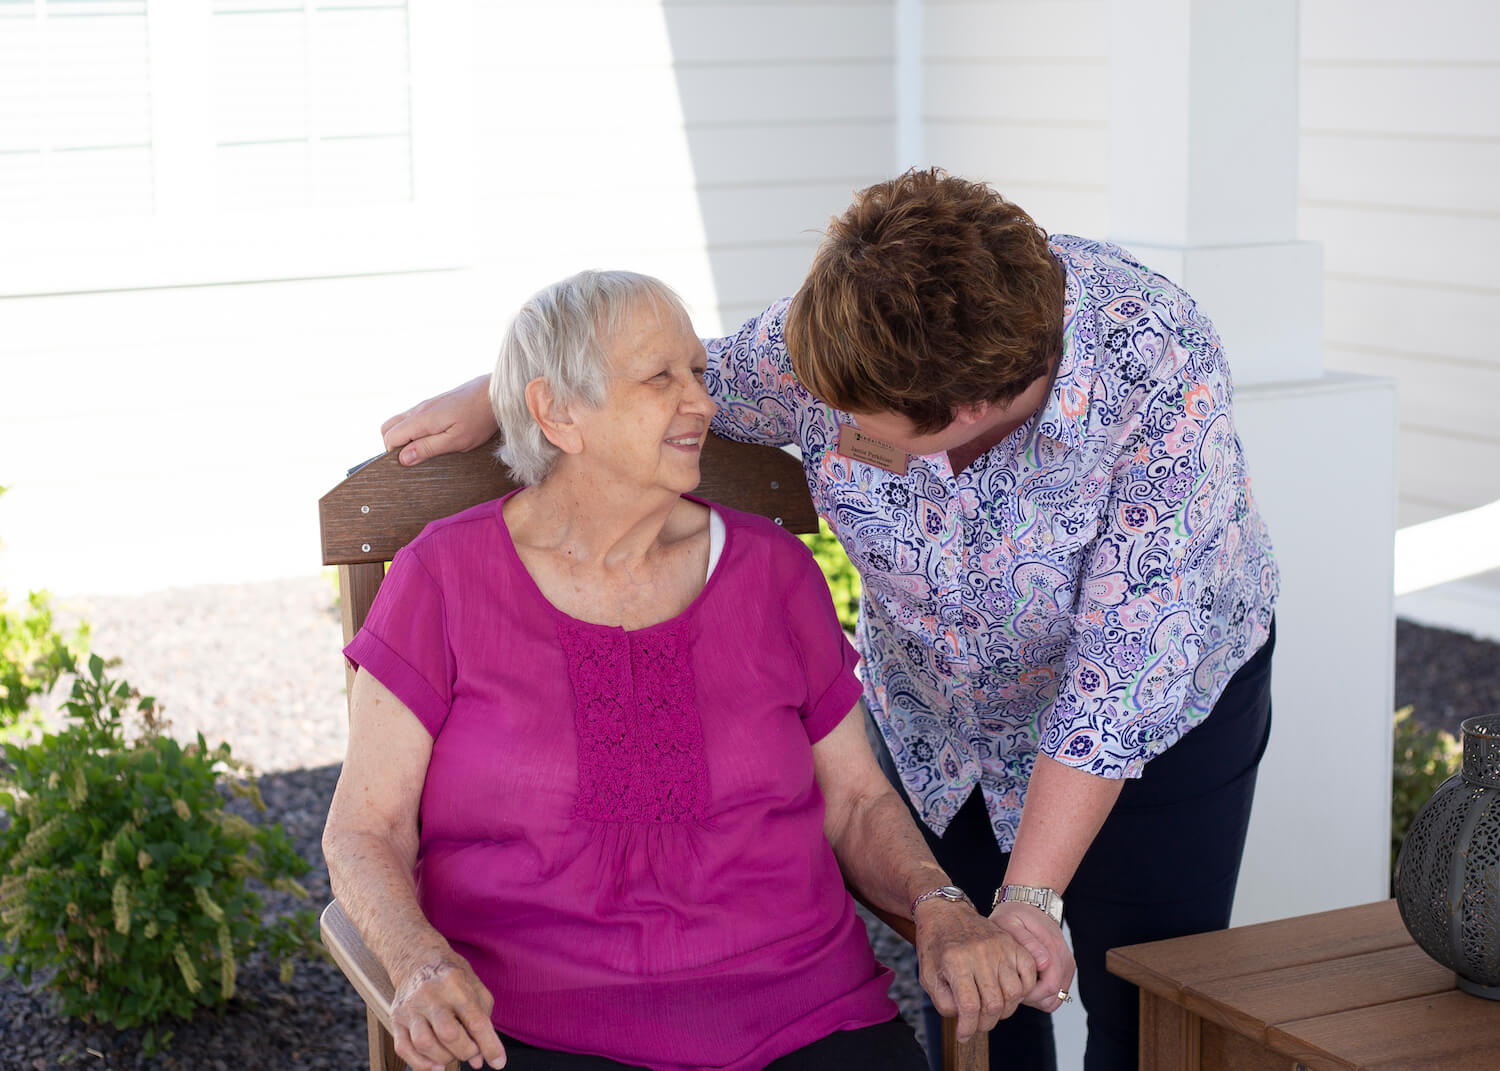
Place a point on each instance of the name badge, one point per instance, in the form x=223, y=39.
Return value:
x=855, y=444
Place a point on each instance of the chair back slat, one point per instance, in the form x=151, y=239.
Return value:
x=383, y=506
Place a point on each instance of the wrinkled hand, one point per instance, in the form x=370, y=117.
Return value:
x=457, y=420
x=1034, y=929
x=971, y=968
x=441, y=1013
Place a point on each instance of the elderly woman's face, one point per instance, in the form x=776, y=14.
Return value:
x=650, y=430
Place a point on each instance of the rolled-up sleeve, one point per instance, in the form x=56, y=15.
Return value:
x=405, y=644
x=827, y=657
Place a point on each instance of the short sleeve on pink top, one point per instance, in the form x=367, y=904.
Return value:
x=621, y=830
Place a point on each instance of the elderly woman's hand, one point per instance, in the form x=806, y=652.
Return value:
x=1036, y=931
x=450, y=423
x=970, y=967
x=441, y=1013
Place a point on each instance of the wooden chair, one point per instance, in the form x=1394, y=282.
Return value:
x=382, y=506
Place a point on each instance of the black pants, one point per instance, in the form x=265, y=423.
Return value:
x=1164, y=864
x=886, y=1047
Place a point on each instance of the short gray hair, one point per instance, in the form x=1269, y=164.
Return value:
x=561, y=336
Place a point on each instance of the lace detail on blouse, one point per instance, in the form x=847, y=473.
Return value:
x=640, y=741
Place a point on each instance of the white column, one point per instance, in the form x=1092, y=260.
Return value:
x=1203, y=187
x=910, y=149
x=1203, y=170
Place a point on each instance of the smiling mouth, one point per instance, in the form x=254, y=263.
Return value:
x=689, y=440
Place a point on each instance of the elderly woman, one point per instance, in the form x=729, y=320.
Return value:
x=1027, y=445
x=604, y=763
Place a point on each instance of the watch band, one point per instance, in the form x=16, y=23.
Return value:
x=1046, y=900
x=952, y=893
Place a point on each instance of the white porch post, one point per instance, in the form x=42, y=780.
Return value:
x=1203, y=187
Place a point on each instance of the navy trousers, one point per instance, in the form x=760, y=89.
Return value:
x=1164, y=865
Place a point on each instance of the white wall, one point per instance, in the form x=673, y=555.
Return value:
x=707, y=142
x=1400, y=149
x=177, y=436
x=1016, y=94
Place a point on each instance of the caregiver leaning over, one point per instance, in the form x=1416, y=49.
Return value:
x=1064, y=570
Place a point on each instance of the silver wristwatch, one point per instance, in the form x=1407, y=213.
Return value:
x=952, y=893
x=1046, y=899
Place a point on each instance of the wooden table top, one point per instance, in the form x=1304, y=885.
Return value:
x=1344, y=990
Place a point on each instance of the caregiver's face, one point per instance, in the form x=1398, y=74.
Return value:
x=982, y=423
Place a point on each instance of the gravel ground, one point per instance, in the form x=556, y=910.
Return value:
x=1445, y=676
x=257, y=665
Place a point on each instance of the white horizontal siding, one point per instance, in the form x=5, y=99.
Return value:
x=1051, y=89
x=1016, y=94
x=1411, y=246
x=1444, y=321
x=1435, y=393
x=1071, y=156
x=1443, y=31
x=1399, y=98
x=674, y=217
x=712, y=140
x=528, y=35
x=1019, y=29
x=1400, y=111
x=1439, y=469
x=1433, y=172
x=566, y=98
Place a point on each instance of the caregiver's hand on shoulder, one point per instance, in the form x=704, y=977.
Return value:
x=441, y=1013
x=1036, y=931
x=454, y=421
x=972, y=969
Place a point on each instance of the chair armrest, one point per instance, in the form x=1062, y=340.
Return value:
x=358, y=963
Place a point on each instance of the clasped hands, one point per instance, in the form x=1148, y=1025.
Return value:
x=979, y=970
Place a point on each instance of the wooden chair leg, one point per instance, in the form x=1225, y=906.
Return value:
x=382, y=1046
x=971, y=1055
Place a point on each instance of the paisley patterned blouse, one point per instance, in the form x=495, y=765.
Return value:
x=1085, y=588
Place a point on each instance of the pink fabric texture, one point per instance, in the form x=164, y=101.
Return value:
x=640, y=752
x=620, y=830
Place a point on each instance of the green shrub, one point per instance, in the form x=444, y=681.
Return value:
x=33, y=655
x=123, y=879
x=1423, y=759
x=838, y=571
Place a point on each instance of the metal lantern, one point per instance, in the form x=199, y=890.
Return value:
x=1448, y=872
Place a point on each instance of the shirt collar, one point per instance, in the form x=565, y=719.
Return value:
x=1064, y=416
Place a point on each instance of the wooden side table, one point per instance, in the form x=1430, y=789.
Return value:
x=1343, y=990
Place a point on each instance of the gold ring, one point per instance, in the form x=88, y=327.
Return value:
x=1062, y=995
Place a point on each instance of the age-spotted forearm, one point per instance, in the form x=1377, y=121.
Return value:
x=372, y=878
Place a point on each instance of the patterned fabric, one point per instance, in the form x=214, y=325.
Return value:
x=640, y=741
x=1085, y=588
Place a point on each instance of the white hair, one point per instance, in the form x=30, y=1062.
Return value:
x=561, y=336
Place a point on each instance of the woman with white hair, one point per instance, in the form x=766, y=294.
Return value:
x=604, y=767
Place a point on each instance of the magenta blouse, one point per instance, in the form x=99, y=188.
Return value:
x=621, y=831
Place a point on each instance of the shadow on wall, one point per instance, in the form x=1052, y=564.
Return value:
x=786, y=111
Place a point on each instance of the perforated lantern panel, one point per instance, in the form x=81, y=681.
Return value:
x=1448, y=872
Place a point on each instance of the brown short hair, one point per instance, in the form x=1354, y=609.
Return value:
x=930, y=292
